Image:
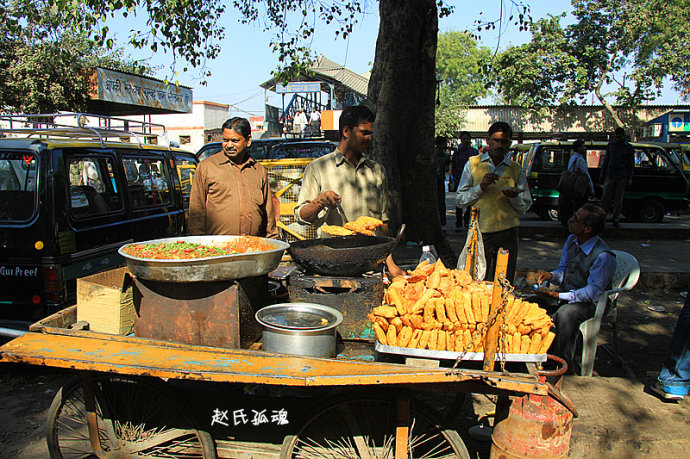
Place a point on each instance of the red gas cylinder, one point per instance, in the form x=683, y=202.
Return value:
x=532, y=426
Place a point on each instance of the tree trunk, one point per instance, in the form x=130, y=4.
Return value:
x=403, y=87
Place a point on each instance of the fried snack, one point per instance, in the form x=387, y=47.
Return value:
x=404, y=336
x=422, y=301
x=461, y=277
x=416, y=321
x=450, y=341
x=334, y=230
x=392, y=337
x=406, y=320
x=517, y=342
x=536, y=343
x=416, y=336
x=546, y=343
x=525, y=343
x=441, y=310
x=380, y=334
x=397, y=323
x=441, y=341
x=383, y=323
x=353, y=226
x=397, y=299
x=448, y=326
x=424, y=340
x=429, y=309
x=369, y=223
x=385, y=311
x=485, y=302
x=433, y=280
x=433, y=337
x=450, y=309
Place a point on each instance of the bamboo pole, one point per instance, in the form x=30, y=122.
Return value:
x=493, y=333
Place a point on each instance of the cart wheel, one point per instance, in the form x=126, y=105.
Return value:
x=366, y=428
x=136, y=418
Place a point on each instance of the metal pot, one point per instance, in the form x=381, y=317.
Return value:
x=299, y=328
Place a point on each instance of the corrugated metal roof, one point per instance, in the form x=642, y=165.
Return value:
x=345, y=80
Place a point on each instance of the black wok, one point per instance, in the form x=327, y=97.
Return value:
x=342, y=255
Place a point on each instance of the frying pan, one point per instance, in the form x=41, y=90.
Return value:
x=343, y=255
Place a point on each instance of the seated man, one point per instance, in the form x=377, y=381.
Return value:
x=585, y=270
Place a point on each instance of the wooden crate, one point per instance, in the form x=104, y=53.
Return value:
x=104, y=300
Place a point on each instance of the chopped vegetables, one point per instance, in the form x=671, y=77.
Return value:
x=181, y=250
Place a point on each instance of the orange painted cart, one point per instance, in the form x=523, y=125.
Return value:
x=139, y=397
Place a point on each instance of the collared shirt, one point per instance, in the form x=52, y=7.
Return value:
x=363, y=188
x=233, y=199
x=460, y=158
x=468, y=193
x=600, y=273
x=619, y=161
x=578, y=163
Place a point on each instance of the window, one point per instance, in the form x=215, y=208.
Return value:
x=147, y=181
x=554, y=158
x=185, y=139
x=18, y=180
x=93, y=189
x=185, y=171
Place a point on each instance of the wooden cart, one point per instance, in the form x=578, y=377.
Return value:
x=139, y=397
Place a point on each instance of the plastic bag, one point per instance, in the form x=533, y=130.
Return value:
x=481, y=259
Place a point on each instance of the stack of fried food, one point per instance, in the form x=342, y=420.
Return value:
x=363, y=225
x=443, y=309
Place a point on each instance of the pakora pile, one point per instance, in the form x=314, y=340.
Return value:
x=443, y=309
x=363, y=225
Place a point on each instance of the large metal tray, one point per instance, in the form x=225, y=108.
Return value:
x=448, y=355
x=226, y=267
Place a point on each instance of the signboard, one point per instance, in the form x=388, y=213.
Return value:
x=679, y=122
x=299, y=86
x=124, y=88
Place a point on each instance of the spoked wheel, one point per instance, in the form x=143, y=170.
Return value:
x=135, y=418
x=366, y=428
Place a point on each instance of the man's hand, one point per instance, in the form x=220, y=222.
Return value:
x=511, y=192
x=549, y=293
x=488, y=180
x=327, y=199
x=543, y=276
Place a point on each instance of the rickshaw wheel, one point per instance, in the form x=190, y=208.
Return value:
x=366, y=428
x=135, y=418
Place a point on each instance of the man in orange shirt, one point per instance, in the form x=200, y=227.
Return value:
x=230, y=192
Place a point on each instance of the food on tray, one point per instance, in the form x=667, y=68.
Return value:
x=363, y=225
x=181, y=250
x=335, y=230
x=443, y=309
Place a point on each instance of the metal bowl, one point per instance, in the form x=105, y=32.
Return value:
x=299, y=329
x=208, y=269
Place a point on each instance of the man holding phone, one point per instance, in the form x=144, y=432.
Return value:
x=496, y=184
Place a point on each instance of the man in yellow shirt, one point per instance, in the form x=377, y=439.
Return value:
x=346, y=177
x=497, y=185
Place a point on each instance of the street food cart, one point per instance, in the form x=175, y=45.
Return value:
x=140, y=396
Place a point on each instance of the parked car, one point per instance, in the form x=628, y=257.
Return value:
x=658, y=184
x=680, y=155
x=264, y=149
x=258, y=150
x=70, y=199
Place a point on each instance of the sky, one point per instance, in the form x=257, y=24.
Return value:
x=246, y=60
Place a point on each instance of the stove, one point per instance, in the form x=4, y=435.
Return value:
x=354, y=297
x=218, y=314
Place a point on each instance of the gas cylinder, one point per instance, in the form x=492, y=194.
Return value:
x=532, y=426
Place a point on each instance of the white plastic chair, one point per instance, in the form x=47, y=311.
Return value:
x=624, y=278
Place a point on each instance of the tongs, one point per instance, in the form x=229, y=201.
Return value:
x=340, y=210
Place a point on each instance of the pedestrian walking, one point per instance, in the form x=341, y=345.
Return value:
x=460, y=157
x=616, y=173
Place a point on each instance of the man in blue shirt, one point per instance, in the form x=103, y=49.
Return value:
x=585, y=270
x=616, y=173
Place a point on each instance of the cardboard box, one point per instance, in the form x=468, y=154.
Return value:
x=104, y=300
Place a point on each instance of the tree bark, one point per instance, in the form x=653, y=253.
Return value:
x=602, y=99
x=403, y=88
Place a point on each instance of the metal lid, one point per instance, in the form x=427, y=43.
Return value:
x=299, y=316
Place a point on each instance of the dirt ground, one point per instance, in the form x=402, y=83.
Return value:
x=26, y=392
